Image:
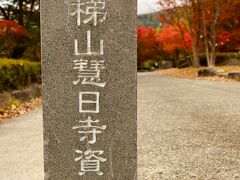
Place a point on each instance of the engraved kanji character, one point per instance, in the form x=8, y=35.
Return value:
x=95, y=8
x=90, y=161
x=86, y=127
x=78, y=11
x=89, y=48
x=89, y=72
x=94, y=11
x=83, y=102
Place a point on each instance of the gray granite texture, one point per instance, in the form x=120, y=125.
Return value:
x=118, y=109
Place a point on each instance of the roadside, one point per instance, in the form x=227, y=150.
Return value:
x=20, y=86
x=18, y=102
x=192, y=73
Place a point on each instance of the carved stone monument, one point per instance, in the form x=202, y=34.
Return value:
x=89, y=89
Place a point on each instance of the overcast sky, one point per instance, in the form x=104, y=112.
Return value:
x=146, y=6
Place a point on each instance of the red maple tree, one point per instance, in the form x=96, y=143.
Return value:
x=228, y=32
x=12, y=37
x=9, y=27
x=171, y=39
x=146, y=41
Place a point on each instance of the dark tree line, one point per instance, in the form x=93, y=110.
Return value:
x=20, y=10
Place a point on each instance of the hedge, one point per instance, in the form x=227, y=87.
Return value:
x=17, y=74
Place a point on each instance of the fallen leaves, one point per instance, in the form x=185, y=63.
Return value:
x=192, y=73
x=19, y=109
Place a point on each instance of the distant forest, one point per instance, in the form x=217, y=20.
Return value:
x=151, y=19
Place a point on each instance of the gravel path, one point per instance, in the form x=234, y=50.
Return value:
x=188, y=129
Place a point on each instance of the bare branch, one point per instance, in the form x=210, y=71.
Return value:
x=5, y=15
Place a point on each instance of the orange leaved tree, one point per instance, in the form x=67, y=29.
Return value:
x=12, y=37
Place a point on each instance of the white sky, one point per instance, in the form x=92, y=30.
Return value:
x=146, y=6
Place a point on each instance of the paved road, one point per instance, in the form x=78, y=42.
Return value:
x=187, y=129
x=21, y=147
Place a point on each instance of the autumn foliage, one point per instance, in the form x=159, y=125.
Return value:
x=171, y=40
x=20, y=29
x=13, y=38
x=146, y=43
x=160, y=42
x=194, y=28
x=229, y=29
x=9, y=27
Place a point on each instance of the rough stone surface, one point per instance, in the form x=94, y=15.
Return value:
x=61, y=97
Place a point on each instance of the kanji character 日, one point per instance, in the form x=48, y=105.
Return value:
x=85, y=100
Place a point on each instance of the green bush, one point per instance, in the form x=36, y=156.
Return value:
x=17, y=74
x=146, y=65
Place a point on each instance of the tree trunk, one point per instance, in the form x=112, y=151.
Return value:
x=5, y=15
x=210, y=39
x=195, y=59
x=195, y=51
x=20, y=13
x=193, y=31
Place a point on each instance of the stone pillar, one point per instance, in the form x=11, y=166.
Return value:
x=89, y=89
